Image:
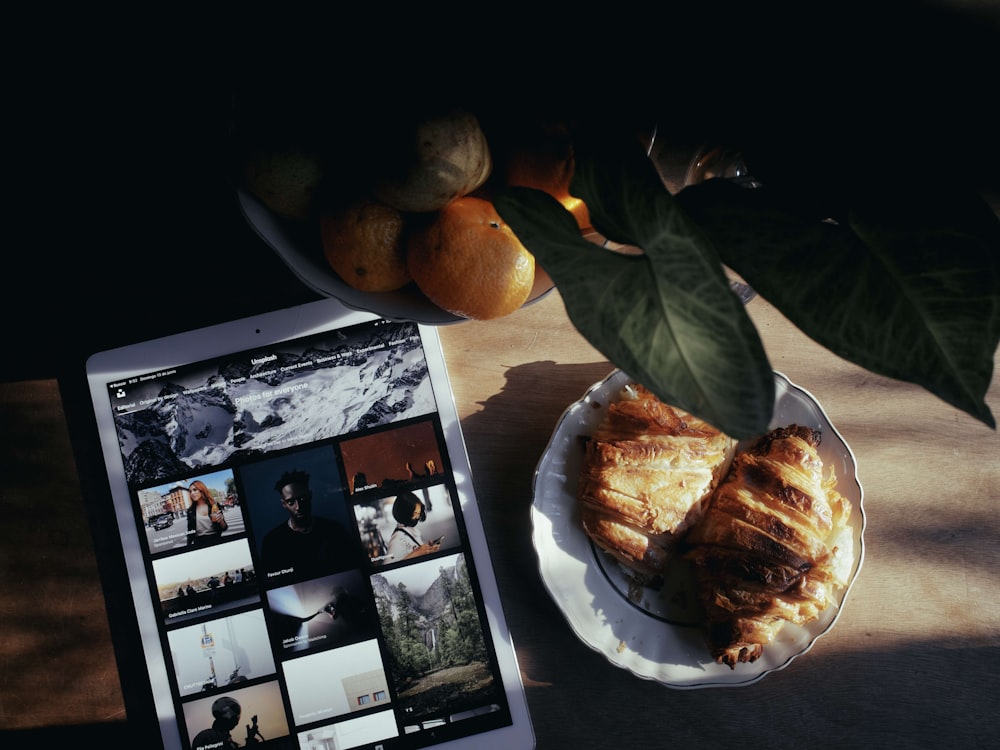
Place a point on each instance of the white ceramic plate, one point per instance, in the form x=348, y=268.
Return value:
x=657, y=635
x=298, y=245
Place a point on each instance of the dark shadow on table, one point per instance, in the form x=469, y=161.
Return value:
x=107, y=735
x=547, y=389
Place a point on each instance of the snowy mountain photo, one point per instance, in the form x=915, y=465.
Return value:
x=252, y=403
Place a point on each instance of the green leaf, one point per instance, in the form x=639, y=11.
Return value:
x=901, y=282
x=666, y=317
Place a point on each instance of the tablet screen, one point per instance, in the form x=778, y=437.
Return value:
x=297, y=515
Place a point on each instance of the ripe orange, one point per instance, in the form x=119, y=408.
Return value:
x=541, y=157
x=469, y=262
x=363, y=243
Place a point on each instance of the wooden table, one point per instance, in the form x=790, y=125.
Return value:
x=912, y=661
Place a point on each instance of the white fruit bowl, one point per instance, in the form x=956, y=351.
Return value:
x=298, y=245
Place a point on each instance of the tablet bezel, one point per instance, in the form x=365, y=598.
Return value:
x=137, y=618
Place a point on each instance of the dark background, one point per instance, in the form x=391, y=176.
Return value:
x=123, y=224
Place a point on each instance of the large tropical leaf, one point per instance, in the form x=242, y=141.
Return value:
x=900, y=282
x=667, y=317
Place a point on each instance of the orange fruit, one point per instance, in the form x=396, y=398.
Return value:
x=363, y=243
x=469, y=262
x=541, y=157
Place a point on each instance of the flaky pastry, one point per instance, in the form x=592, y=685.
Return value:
x=648, y=471
x=773, y=546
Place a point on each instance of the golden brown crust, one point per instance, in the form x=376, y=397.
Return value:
x=648, y=470
x=764, y=552
x=634, y=548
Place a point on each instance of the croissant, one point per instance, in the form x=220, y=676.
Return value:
x=647, y=473
x=772, y=547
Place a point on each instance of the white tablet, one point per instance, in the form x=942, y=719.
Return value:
x=307, y=563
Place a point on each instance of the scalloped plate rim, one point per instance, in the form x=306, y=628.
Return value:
x=549, y=499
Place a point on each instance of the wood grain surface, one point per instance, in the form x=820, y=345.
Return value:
x=912, y=661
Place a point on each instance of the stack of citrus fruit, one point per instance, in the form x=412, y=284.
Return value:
x=426, y=218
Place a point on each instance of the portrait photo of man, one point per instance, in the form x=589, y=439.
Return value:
x=299, y=516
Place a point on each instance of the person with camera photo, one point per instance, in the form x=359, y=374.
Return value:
x=406, y=540
x=226, y=714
